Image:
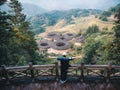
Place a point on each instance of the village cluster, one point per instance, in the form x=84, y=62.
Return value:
x=57, y=43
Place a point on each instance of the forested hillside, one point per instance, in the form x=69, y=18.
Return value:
x=39, y=22
x=106, y=14
x=17, y=43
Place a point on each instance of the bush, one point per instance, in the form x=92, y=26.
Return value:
x=103, y=18
x=92, y=29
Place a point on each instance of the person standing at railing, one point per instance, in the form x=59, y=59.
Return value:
x=64, y=65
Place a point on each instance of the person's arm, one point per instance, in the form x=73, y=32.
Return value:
x=76, y=57
x=52, y=57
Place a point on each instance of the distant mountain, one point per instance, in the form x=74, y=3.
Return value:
x=28, y=9
x=39, y=22
x=73, y=4
x=52, y=17
x=31, y=9
x=105, y=15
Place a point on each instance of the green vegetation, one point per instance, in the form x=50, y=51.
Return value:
x=114, y=46
x=18, y=46
x=115, y=9
x=51, y=18
x=38, y=30
x=92, y=29
x=90, y=52
x=102, y=46
x=103, y=16
x=40, y=22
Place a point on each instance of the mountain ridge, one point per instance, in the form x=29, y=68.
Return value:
x=28, y=9
x=31, y=9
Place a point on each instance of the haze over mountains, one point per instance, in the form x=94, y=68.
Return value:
x=41, y=18
x=72, y=20
x=28, y=9
x=31, y=8
x=72, y=4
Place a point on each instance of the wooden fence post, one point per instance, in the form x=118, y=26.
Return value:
x=31, y=70
x=109, y=71
x=57, y=71
x=82, y=71
x=5, y=73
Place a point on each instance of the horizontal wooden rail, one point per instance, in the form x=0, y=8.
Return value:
x=53, y=65
x=26, y=67
x=80, y=70
x=95, y=66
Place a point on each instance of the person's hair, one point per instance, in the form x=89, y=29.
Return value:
x=64, y=55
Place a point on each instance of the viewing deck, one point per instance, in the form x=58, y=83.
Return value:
x=47, y=77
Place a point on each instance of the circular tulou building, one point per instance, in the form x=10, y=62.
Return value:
x=59, y=38
x=79, y=40
x=56, y=43
x=69, y=36
x=44, y=45
x=52, y=36
x=59, y=46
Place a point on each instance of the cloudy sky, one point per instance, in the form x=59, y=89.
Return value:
x=71, y=4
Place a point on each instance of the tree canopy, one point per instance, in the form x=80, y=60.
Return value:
x=17, y=41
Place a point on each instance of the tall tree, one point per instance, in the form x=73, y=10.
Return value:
x=92, y=29
x=89, y=50
x=5, y=35
x=114, y=47
x=17, y=44
x=24, y=39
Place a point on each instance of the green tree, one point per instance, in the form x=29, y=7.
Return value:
x=17, y=43
x=106, y=13
x=5, y=35
x=114, y=47
x=23, y=42
x=103, y=18
x=89, y=50
x=22, y=61
x=92, y=29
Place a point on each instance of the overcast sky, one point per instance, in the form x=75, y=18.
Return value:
x=71, y=4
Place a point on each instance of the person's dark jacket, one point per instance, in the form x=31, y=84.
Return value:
x=64, y=61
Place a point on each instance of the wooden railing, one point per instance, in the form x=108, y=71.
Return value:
x=81, y=71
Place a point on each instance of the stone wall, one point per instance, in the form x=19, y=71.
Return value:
x=65, y=86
